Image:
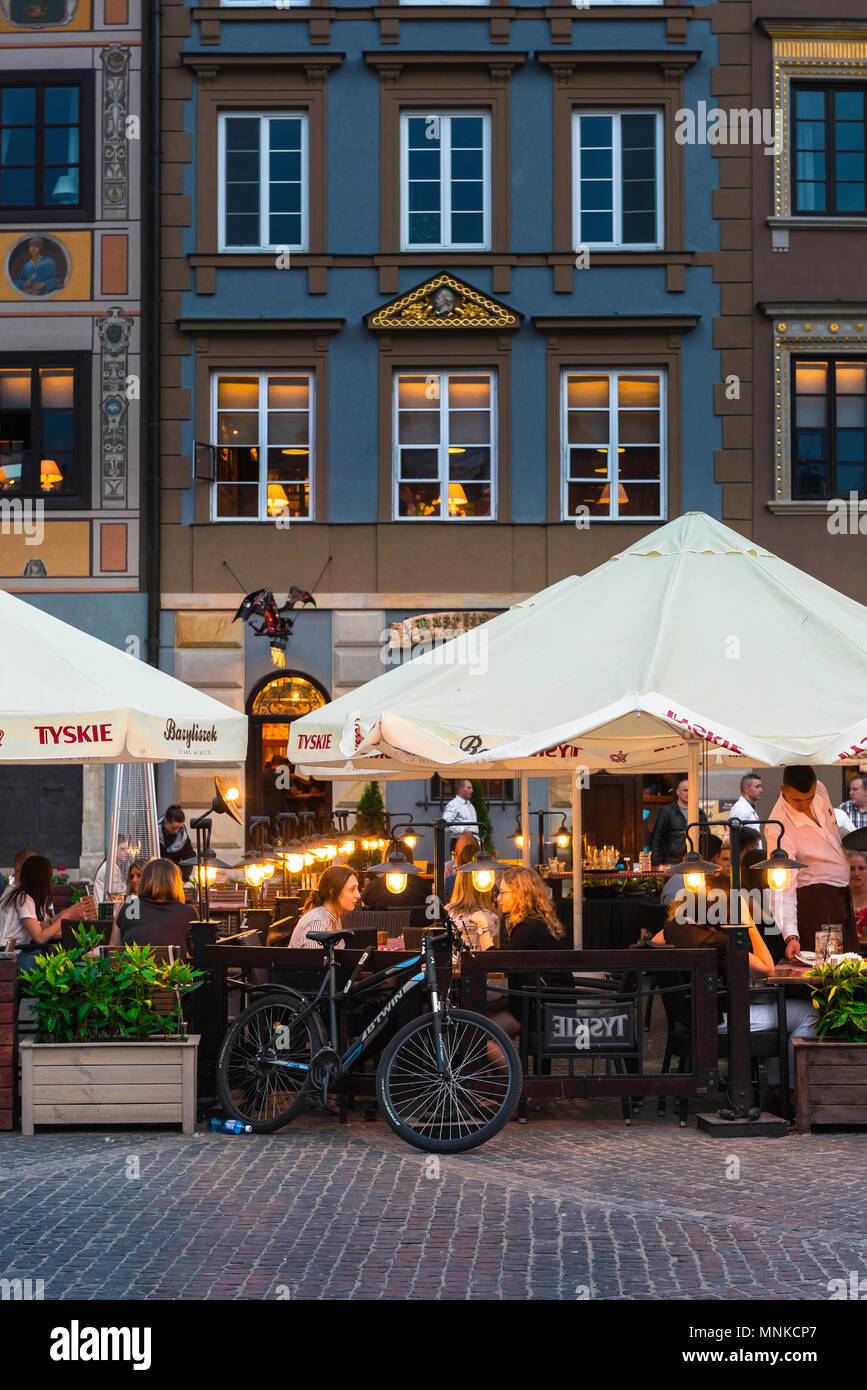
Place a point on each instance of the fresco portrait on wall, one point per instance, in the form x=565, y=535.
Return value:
x=37, y=266
x=38, y=14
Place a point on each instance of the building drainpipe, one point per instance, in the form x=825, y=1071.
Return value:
x=151, y=529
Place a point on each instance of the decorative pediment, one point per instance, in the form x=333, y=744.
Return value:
x=443, y=302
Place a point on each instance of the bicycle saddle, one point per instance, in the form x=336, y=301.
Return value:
x=324, y=937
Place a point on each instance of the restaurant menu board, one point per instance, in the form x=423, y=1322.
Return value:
x=588, y=1026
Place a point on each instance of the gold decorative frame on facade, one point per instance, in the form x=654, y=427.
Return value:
x=806, y=50
x=443, y=302
x=821, y=330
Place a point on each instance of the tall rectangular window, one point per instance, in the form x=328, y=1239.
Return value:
x=44, y=137
x=829, y=438
x=830, y=139
x=613, y=433
x=445, y=446
x=618, y=179
x=263, y=445
x=446, y=181
x=263, y=182
x=43, y=427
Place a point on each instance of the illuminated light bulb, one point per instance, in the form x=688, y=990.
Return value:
x=779, y=878
x=320, y=852
x=519, y=841
x=347, y=847
x=267, y=870
x=395, y=883
x=231, y=794
x=483, y=879
x=694, y=882
x=295, y=863
x=331, y=851
x=411, y=840
x=308, y=860
x=563, y=841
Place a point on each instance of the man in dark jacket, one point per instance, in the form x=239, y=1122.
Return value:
x=174, y=841
x=379, y=896
x=668, y=842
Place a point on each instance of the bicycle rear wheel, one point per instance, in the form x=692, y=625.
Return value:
x=262, y=1069
x=466, y=1106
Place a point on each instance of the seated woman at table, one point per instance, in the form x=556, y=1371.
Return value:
x=529, y=923
x=471, y=909
x=335, y=894
x=858, y=887
x=686, y=931
x=26, y=923
x=159, y=916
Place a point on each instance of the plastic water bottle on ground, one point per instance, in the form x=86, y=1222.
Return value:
x=228, y=1127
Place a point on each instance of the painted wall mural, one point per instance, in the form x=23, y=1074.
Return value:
x=45, y=266
x=44, y=14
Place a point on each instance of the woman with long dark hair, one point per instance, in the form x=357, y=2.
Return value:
x=26, y=923
x=335, y=894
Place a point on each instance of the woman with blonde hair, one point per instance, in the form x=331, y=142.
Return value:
x=530, y=920
x=858, y=887
x=471, y=909
x=159, y=916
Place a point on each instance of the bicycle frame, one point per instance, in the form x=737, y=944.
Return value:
x=358, y=1045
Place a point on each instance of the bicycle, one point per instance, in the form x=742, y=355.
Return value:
x=446, y=1082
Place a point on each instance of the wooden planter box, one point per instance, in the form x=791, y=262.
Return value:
x=112, y=1083
x=830, y=1083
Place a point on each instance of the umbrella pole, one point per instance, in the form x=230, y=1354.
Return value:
x=525, y=818
x=577, y=866
x=692, y=753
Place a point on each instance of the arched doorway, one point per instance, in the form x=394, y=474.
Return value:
x=271, y=708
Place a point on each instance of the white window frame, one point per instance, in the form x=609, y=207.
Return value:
x=445, y=183
x=443, y=446
x=612, y=479
x=264, y=118
x=262, y=446
x=617, y=244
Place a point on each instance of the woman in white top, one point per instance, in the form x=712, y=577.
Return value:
x=25, y=921
x=472, y=911
x=335, y=894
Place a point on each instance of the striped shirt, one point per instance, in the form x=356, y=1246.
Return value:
x=317, y=919
x=856, y=816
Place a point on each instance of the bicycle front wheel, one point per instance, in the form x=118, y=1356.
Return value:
x=263, y=1067
x=464, y=1106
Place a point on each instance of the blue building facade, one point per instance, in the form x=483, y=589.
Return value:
x=449, y=311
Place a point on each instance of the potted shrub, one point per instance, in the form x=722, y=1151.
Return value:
x=111, y=1046
x=831, y=1069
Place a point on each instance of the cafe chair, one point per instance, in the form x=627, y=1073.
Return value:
x=770, y=1042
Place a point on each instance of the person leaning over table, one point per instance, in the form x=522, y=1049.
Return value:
x=335, y=894
x=684, y=932
x=818, y=893
x=159, y=916
x=26, y=924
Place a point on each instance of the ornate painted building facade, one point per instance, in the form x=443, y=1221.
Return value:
x=74, y=249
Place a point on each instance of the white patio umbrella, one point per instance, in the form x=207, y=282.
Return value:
x=692, y=633
x=68, y=697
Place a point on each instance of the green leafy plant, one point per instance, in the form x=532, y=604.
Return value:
x=79, y=996
x=369, y=819
x=839, y=993
x=484, y=831
x=60, y=875
x=78, y=892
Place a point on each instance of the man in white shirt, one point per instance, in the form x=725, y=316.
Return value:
x=460, y=811
x=818, y=893
x=744, y=808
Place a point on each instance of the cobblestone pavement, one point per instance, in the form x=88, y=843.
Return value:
x=574, y=1204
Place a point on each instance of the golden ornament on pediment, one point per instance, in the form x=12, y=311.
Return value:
x=444, y=302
